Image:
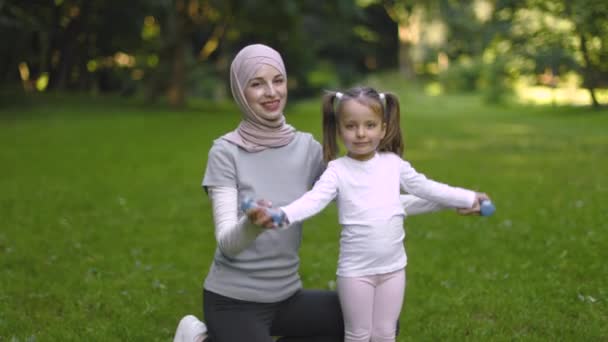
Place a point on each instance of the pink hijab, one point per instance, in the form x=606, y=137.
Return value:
x=254, y=132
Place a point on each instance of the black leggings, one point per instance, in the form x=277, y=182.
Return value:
x=307, y=316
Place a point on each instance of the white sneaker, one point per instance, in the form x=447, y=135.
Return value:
x=190, y=329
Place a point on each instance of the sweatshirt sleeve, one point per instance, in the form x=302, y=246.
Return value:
x=417, y=184
x=233, y=235
x=413, y=205
x=315, y=200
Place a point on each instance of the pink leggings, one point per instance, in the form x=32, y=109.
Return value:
x=371, y=305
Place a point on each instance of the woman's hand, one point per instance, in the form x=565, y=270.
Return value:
x=476, y=208
x=259, y=216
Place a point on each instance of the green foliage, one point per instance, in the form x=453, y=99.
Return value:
x=106, y=235
x=564, y=36
x=203, y=82
x=73, y=43
x=494, y=82
x=466, y=34
x=462, y=76
x=324, y=76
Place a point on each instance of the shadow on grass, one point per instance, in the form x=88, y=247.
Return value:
x=17, y=104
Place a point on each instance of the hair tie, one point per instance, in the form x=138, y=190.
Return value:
x=383, y=104
x=336, y=103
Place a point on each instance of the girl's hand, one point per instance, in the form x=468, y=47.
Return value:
x=476, y=208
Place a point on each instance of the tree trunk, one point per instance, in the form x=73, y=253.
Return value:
x=71, y=51
x=588, y=76
x=408, y=26
x=176, y=90
x=594, y=100
x=177, y=81
x=53, y=35
x=406, y=65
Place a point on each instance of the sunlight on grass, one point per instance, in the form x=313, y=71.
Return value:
x=559, y=96
x=433, y=89
x=567, y=92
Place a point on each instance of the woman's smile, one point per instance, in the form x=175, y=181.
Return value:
x=271, y=106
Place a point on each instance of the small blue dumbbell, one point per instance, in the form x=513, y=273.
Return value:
x=276, y=214
x=487, y=208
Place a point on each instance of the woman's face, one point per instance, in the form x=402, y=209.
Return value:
x=266, y=92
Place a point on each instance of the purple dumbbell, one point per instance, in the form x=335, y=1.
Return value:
x=277, y=215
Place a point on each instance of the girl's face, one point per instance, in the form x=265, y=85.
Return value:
x=266, y=93
x=361, y=129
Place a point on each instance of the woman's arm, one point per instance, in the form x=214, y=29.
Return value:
x=417, y=184
x=233, y=235
x=415, y=205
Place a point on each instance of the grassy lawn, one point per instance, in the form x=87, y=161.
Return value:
x=105, y=234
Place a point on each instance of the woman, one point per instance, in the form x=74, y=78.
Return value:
x=253, y=290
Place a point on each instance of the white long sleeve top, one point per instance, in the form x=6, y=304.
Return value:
x=370, y=210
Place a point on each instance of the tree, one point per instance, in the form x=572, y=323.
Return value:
x=182, y=25
x=62, y=40
x=566, y=36
x=165, y=45
x=590, y=18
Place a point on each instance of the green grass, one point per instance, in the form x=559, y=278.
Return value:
x=105, y=234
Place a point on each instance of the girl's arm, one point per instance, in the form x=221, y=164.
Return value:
x=417, y=184
x=233, y=235
x=315, y=200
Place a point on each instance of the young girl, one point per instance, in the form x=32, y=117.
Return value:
x=366, y=183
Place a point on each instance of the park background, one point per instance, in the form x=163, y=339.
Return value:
x=108, y=109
